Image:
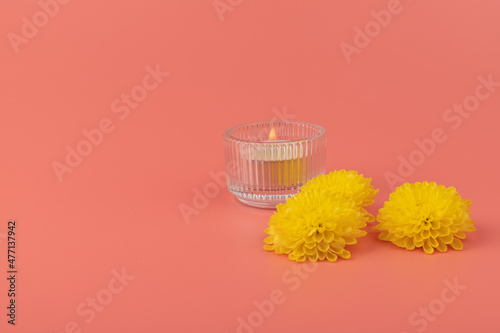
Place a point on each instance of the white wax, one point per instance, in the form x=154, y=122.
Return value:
x=270, y=152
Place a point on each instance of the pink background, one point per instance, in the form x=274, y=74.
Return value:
x=119, y=208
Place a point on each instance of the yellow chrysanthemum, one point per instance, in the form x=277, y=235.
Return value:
x=425, y=215
x=348, y=183
x=315, y=225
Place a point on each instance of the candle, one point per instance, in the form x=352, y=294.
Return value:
x=267, y=162
x=281, y=164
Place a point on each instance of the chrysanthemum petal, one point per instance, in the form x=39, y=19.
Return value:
x=299, y=251
x=321, y=255
x=433, y=242
x=457, y=244
x=426, y=234
x=419, y=243
x=408, y=229
x=331, y=256
x=427, y=248
x=435, y=224
x=444, y=230
x=310, y=251
x=419, y=238
x=442, y=247
x=269, y=247
x=323, y=246
x=469, y=228
x=447, y=221
x=269, y=239
x=299, y=259
x=448, y=239
x=350, y=240
x=358, y=233
x=317, y=237
x=434, y=233
x=384, y=235
x=408, y=243
x=345, y=254
x=310, y=245
x=329, y=236
x=313, y=257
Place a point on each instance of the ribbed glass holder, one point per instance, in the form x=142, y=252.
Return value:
x=268, y=162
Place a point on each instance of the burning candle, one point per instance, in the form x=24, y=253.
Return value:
x=281, y=164
x=269, y=162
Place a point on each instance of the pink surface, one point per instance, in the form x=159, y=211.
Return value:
x=102, y=245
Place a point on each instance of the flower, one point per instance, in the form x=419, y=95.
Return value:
x=347, y=183
x=425, y=215
x=315, y=225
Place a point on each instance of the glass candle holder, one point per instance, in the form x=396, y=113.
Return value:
x=268, y=162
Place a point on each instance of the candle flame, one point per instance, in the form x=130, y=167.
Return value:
x=272, y=134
